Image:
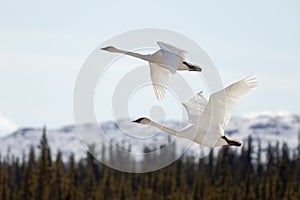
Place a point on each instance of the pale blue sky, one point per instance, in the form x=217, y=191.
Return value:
x=42, y=46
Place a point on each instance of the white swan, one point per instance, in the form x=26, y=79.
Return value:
x=166, y=60
x=208, y=118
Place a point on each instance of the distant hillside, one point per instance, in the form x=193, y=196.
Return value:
x=266, y=127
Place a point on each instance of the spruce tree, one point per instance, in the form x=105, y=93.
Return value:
x=72, y=180
x=29, y=181
x=57, y=179
x=224, y=178
x=43, y=169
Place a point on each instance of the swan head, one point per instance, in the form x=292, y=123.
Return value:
x=142, y=120
x=109, y=48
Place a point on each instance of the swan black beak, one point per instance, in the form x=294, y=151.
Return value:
x=138, y=120
x=192, y=67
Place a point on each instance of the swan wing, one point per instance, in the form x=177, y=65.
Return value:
x=220, y=105
x=172, y=56
x=195, y=107
x=160, y=80
x=172, y=49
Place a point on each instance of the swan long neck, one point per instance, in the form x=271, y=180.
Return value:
x=163, y=128
x=137, y=55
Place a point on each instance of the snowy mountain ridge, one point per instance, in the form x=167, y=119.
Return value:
x=268, y=127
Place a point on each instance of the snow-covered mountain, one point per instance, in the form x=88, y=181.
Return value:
x=267, y=127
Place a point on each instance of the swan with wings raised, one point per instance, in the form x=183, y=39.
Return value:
x=208, y=118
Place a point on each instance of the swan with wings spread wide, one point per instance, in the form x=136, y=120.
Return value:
x=208, y=118
x=167, y=60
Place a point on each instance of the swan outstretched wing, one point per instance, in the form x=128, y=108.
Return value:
x=173, y=49
x=195, y=107
x=220, y=104
x=160, y=80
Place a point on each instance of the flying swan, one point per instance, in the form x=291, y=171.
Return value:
x=208, y=118
x=166, y=60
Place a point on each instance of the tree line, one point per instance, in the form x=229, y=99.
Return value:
x=222, y=175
